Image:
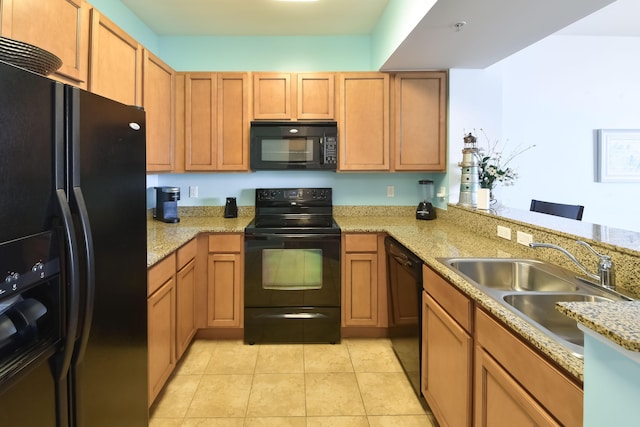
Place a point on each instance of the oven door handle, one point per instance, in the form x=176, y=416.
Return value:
x=300, y=316
x=274, y=236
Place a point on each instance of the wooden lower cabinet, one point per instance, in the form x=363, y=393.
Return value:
x=501, y=401
x=161, y=323
x=514, y=385
x=185, y=297
x=225, y=281
x=447, y=351
x=363, y=280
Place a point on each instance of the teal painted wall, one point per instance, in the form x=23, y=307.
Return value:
x=611, y=386
x=267, y=53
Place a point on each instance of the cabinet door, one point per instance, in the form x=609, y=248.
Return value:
x=420, y=119
x=363, y=121
x=185, y=307
x=116, y=62
x=200, y=123
x=161, y=340
x=316, y=96
x=501, y=401
x=360, y=289
x=58, y=26
x=233, y=122
x=224, y=290
x=446, y=365
x=272, y=96
x=158, y=100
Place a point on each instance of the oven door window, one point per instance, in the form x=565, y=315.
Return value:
x=287, y=150
x=292, y=269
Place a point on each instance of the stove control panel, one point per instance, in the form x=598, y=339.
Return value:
x=292, y=194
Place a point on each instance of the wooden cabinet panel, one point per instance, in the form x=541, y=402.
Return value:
x=459, y=307
x=360, y=303
x=233, y=122
x=420, y=120
x=161, y=336
x=501, y=401
x=158, y=91
x=185, y=307
x=160, y=273
x=316, y=96
x=555, y=391
x=446, y=365
x=272, y=96
x=361, y=242
x=363, y=121
x=58, y=26
x=200, y=123
x=116, y=62
x=224, y=290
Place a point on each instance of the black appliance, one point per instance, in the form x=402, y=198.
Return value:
x=404, y=271
x=231, y=208
x=425, y=209
x=73, y=303
x=167, y=204
x=294, y=145
x=292, y=268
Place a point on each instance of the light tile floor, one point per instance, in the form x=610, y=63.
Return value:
x=358, y=383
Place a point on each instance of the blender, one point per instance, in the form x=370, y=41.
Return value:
x=425, y=208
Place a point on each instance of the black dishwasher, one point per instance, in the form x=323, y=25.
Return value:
x=404, y=274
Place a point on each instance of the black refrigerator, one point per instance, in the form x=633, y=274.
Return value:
x=73, y=289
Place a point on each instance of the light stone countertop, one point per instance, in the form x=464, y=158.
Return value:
x=618, y=321
x=440, y=238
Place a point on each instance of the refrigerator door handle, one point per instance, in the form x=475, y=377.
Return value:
x=73, y=277
x=90, y=273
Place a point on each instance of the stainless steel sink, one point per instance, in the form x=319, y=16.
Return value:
x=531, y=289
x=541, y=309
x=513, y=275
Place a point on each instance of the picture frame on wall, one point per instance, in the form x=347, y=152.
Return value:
x=618, y=155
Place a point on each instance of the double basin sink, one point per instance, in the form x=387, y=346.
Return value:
x=530, y=289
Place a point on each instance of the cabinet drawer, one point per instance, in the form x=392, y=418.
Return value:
x=160, y=273
x=186, y=253
x=452, y=300
x=364, y=242
x=555, y=391
x=225, y=243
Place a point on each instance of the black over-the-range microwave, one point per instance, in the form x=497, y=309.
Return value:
x=294, y=145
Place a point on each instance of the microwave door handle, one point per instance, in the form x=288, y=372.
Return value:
x=323, y=150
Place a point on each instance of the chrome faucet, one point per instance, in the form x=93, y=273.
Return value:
x=605, y=276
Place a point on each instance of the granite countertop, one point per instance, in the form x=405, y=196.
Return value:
x=617, y=321
x=429, y=240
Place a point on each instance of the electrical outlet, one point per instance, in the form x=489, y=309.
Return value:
x=524, y=238
x=504, y=232
x=391, y=191
x=193, y=191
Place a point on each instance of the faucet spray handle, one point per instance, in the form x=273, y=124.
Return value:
x=605, y=267
x=596, y=253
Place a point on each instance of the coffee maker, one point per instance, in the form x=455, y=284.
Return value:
x=167, y=204
x=425, y=208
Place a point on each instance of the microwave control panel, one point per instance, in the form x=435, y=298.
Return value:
x=331, y=150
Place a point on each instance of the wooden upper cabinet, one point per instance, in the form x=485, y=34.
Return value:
x=216, y=123
x=233, y=122
x=363, y=121
x=200, y=123
x=158, y=101
x=272, y=96
x=58, y=26
x=116, y=62
x=420, y=119
x=316, y=96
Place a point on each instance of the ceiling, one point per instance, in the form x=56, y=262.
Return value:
x=494, y=29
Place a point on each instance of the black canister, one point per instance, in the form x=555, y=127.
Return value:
x=167, y=204
x=231, y=208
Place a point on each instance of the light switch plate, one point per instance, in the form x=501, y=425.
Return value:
x=391, y=191
x=524, y=238
x=504, y=232
x=193, y=191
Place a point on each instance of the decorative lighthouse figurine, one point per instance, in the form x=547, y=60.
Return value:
x=469, y=179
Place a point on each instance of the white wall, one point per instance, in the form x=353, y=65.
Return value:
x=555, y=94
